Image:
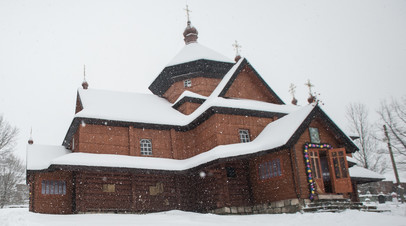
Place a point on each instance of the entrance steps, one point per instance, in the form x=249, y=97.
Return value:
x=336, y=204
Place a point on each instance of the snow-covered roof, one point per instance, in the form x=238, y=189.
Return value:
x=274, y=135
x=188, y=93
x=358, y=173
x=40, y=156
x=126, y=106
x=148, y=108
x=196, y=51
x=351, y=161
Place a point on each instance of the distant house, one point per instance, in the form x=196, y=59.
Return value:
x=212, y=137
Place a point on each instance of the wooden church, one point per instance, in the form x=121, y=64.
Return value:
x=212, y=137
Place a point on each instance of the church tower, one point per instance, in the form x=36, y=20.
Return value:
x=195, y=68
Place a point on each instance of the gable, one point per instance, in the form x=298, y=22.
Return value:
x=329, y=131
x=246, y=83
x=79, y=105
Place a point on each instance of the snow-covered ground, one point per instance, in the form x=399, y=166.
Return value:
x=21, y=216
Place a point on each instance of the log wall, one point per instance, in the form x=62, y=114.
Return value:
x=273, y=189
x=51, y=203
x=200, y=85
x=248, y=86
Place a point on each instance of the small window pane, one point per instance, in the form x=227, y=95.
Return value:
x=43, y=185
x=231, y=172
x=64, y=188
x=318, y=168
x=336, y=168
x=314, y=135
x=343, y=168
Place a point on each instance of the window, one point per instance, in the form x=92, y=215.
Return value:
x=53, y=187
x=230, y=172
x=314, y=135
x=146, y=147
x=315, y=164
x=339, y=166
x=244, y=136
x=270, y=169
x=187, y=83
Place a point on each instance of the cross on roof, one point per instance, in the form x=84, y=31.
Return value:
x=187, y=12
x=84, y=72
x=310, y=85
x=292, y=89
x=237, y=48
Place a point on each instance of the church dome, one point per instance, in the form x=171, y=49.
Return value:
x=190, y=33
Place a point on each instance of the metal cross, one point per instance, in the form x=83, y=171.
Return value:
x=187, y=12
x=310, y=85
x=292, y=89
x=237, y=48
x=84, y=72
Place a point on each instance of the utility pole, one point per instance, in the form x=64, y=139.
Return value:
x=399, y=187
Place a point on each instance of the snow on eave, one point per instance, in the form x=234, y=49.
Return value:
x=40, y=156
x=220, y=87
x=195, y=51
x=280, y=131
x=357, y=172
x=188, y=93
x=351, y=160
x=160, y=111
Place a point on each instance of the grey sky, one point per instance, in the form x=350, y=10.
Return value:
x=353, y=51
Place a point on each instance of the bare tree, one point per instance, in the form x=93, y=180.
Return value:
x=11, y=173
x=369, y=154
x=393, y=115
x=8, y=135
x=11, y=167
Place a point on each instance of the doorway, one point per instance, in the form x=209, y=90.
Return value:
x=325, y=172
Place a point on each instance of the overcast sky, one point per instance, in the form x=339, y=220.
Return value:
x=353, y=51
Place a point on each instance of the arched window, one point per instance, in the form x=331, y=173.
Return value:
x=244, y=135
x=146, y=147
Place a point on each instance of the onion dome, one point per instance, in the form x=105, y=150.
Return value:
x=294, y=101
x=311, y=99
x=85, y=85
x=190, y=34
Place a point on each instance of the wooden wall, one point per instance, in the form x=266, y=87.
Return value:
x=51, y=203
x=91, y=197
x=248, y=86
x=103, y=139
x=199, y=190
x=188, y=108
x=200, y=85
x=219, y=129
x=273, y=189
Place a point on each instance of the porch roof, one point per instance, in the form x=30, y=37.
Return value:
x=362, y=175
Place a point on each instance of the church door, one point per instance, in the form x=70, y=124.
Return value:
x=316, y=170
x=340, y=179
